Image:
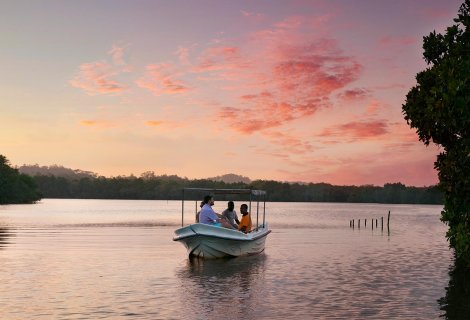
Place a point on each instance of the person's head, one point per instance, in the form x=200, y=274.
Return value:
x=201, y=204
x=244, y=209
x=209, y=200
x=230, y=205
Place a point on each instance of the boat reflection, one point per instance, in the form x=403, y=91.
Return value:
x=456, y=303
x=5, y=234
x=223, y=288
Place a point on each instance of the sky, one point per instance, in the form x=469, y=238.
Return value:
x=301, y=91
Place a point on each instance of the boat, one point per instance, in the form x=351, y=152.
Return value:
x=212, y=242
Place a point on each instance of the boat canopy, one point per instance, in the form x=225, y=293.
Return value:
x=254, y=195
x=229, y=191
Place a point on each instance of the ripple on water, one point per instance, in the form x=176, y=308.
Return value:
x=104, y=265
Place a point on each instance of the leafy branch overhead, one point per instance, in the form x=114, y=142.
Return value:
x=439, y=108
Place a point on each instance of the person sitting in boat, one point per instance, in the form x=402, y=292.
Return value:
x=210, y=217
x=199, y=212
x=245, y=223
x=231, y=215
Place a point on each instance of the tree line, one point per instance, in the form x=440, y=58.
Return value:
x=16, y=187
x=169, y=187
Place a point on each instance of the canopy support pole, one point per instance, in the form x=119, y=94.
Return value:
x=182, y=210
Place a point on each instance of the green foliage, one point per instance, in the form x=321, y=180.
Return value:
x=439, y=108
x=169, y=188
x=16, y=187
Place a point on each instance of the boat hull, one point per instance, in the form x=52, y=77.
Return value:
x=210, y=242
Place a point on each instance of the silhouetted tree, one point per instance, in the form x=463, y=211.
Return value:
x=16, y=187
x=439, y=108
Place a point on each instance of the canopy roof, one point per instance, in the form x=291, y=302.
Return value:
x=228, y=191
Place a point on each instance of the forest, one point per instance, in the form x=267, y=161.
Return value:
x=16, y=187
x=86, y=185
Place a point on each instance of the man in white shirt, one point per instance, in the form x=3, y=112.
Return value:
x=210, y=217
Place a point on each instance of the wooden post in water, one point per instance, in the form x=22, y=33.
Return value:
x=382, y=218
x=365, y=223
x=353, y=223
x=372, y=224
x=359, y=223
x=376, y=220
x=388, y=222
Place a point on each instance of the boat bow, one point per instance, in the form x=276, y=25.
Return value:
x=208, y=241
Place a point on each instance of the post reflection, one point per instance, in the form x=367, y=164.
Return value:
x=225, y=288
x=5, y=234
x=456, y=303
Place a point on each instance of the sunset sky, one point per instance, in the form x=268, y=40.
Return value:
x=287, y=90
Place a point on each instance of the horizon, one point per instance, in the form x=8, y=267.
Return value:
x=302, y=91
x=220, y=177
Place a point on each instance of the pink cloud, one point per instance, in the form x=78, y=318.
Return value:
x=162, y=79
x=166, y=125
x=96, y=78
x=357, y=130
x=183, y=55
x=383, y=166
x=249, y=97
x=117, y=54
x=411, y=172
x=153, y=123
x=436, y=13
x=404, y=138
x=354, y=94
x=100, y=77
x=261, y=95
x=267, y=36
x=292, y=22
x=283, y=153
x=300, y=82
x=250, y=14
x=391, y=86
x=247, y=121
x=246, y=13
x=320, y=21
x=100, y=124
x=265, y=115
x=372, y=107
x=221, y=58
x=253, y=16
x=289, y=142
x=387, y=162
x=317, y=69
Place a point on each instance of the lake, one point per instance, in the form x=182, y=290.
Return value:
x=115, y=259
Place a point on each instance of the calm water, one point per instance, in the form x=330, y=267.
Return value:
x=108, y=259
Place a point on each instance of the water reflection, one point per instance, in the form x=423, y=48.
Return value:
x=5, y=233
x=456, y=303
x=225, y=288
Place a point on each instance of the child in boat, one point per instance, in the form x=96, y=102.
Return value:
x=245, y=223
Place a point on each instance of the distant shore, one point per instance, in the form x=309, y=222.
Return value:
x=170, y=188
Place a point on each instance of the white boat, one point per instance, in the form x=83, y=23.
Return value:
x=211, y=242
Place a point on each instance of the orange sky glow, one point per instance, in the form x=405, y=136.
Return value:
x=305, y=91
